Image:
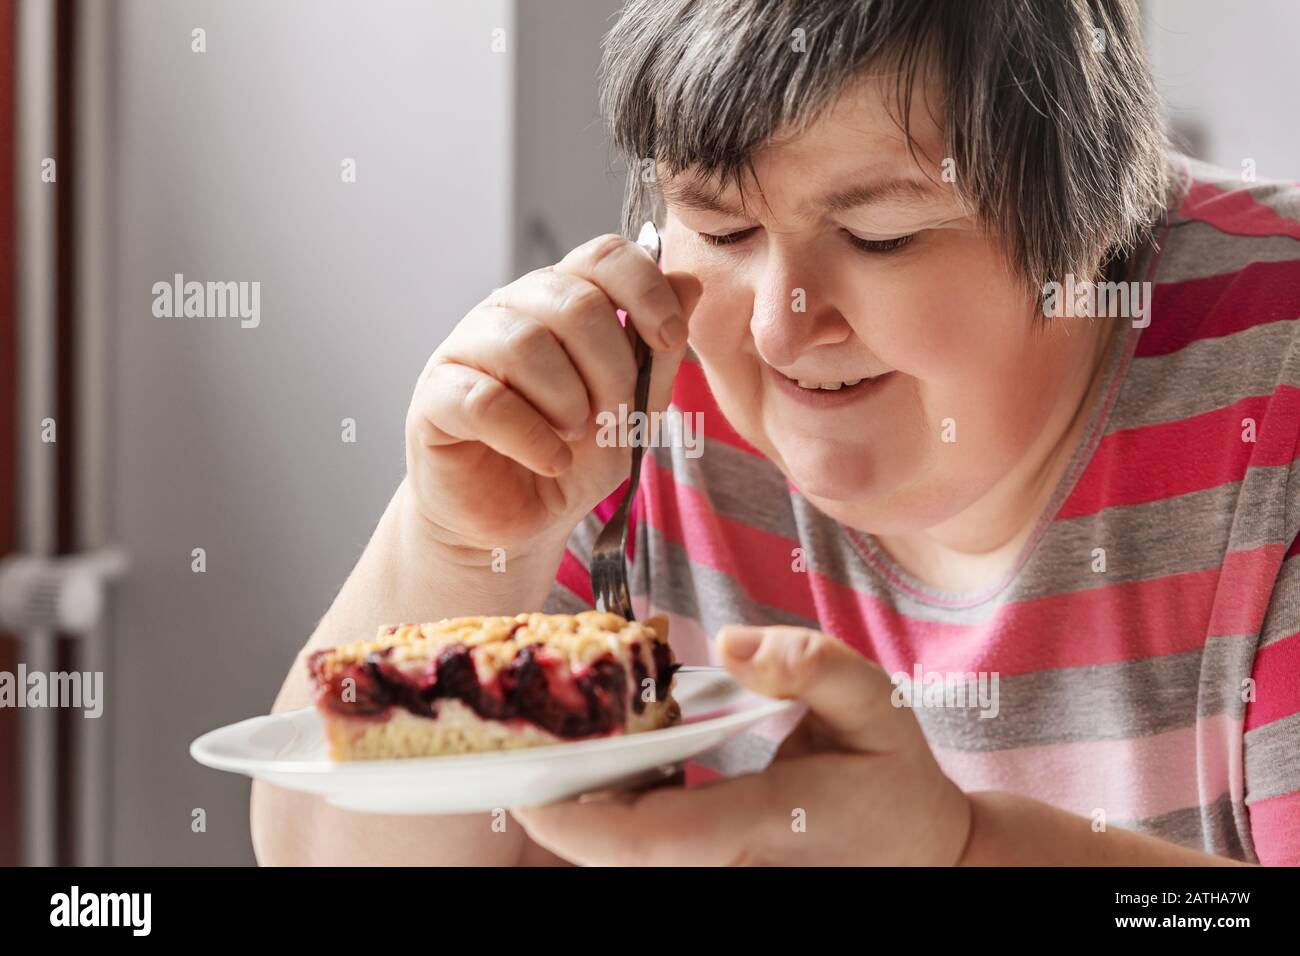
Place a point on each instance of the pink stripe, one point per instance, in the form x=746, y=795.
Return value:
x=1241, y=602
x=1209, y=308
x=1275, y=828
x=691, y=393
x=606, y=507
x=1236, y=211
x=1151, y=463
x=575, y=577
x=1277, y=683
x=1128, y=779
x=1106, y=625
x=697, y=774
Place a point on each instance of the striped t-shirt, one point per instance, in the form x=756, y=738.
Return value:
x=1145, y=648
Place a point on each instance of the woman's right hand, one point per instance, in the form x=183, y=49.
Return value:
x=501, y=448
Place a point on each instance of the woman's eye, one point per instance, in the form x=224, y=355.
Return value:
x=866, y=245
x=725, y=240
x=880, y=245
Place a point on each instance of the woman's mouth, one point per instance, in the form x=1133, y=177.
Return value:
x=816, y=394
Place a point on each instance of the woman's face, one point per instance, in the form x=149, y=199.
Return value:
x=853, y=264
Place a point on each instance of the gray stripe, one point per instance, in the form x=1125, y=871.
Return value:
x=1272, y=761
x=1227, y=662
x=738, y=486
x=745, y=753
x=1262, y=501
x=1136, y=539
x=1136, y=542
x=1291, y=498
x=1204, y=375
x=1099, y=702
x=563, y=601
x=1221, y=828
x=1197, y=250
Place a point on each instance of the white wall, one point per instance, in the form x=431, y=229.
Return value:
x=228, y=168
x=1229, y=74
x=567, y=177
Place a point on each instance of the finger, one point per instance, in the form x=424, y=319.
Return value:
x=717, y=824
x=585, y=323
x=633, y=282
x=848, y=696
x=674, y=776
x=524, y=354
x=458, y=403
x=688, y=290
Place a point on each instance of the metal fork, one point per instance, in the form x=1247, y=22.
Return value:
x=609, y=581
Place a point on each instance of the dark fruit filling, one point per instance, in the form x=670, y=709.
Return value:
x=529, y=689
x=639, y=676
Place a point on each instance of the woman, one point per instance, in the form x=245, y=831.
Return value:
x=1001, y=397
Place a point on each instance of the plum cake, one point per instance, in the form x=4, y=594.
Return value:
x=472, y=684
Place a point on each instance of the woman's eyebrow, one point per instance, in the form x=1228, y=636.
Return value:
x=690, y=194
x=902, y=189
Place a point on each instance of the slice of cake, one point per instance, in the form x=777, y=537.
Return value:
x=471, y=684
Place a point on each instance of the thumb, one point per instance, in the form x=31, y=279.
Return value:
x=688, y=290
x=848, y=696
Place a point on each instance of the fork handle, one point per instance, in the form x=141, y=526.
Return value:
x=641, y=402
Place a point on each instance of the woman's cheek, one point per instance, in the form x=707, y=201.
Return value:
x=947, y=334
x=720, y=323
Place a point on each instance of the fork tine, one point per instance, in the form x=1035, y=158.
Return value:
x=599, y=586
x=609, y=585
x=609, y=582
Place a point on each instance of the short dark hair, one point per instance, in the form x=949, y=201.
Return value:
x=1051, y=117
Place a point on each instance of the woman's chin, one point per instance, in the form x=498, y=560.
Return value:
x=836, y=476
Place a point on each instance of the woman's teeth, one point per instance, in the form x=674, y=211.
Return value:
x=828, y=386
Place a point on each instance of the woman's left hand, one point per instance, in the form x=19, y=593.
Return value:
x=854, y=783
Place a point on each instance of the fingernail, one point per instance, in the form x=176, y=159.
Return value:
x=741, y=642
x=561, y=460
x=574, y=433
x=673, y=332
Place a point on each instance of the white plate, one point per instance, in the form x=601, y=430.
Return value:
x=289, y=750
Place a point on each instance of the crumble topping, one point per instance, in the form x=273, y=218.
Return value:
x=578, y=639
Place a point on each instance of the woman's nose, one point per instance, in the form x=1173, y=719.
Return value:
x=790, y=318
